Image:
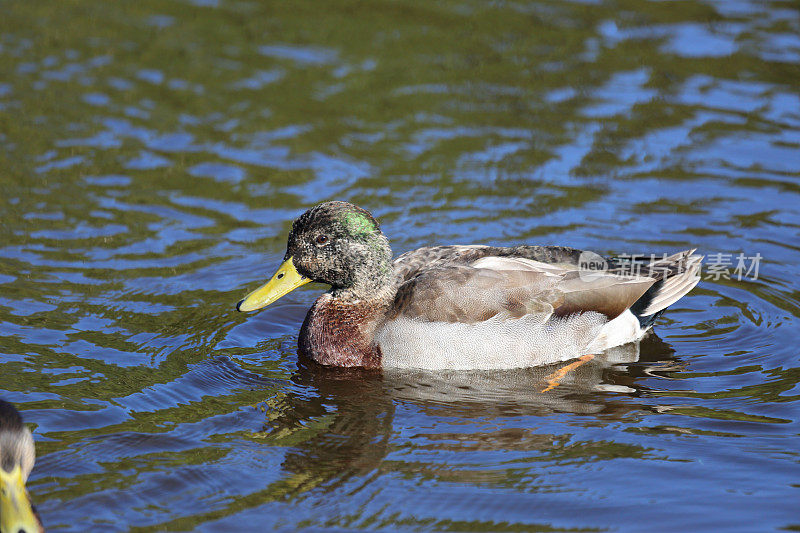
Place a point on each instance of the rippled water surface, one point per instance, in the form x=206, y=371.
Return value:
x=154, y=153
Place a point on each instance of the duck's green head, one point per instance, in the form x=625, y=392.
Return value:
x=336, y=243
x=17, y=455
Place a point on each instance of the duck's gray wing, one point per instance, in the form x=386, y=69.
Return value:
x=477, y=290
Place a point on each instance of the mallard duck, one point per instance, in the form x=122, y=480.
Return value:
x=17, y=456
x=462, y=307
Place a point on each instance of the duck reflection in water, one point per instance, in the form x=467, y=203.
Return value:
x=339, y=423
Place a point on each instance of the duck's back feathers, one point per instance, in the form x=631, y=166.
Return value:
x=412, y=263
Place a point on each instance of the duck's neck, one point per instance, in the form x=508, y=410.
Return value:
x=370, y=275
x=340, y=331
x=375, y=287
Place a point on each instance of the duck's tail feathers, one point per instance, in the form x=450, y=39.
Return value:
x=678, y=274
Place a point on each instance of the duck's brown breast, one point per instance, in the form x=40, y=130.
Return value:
x=337, y=333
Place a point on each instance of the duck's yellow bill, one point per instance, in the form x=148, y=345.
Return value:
x=285, y=280
x=16, y=512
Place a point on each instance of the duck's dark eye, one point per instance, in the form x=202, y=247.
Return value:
x=321, y=240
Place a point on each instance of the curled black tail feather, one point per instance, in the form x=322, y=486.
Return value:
x=645, y=321
x=677, y=275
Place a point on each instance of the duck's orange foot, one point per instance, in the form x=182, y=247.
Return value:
x=554, y=379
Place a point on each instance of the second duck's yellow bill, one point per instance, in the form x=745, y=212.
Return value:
x=16, y=513
x=285, y=280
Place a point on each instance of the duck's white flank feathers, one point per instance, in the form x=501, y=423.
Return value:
x=497, y=343
x=623, y=329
